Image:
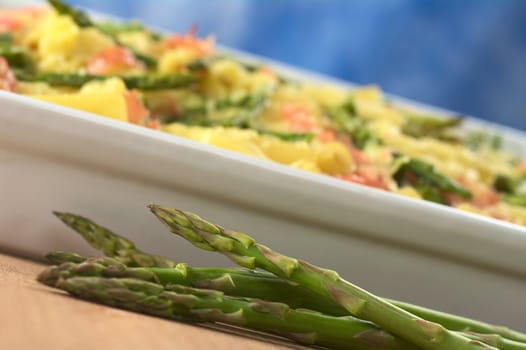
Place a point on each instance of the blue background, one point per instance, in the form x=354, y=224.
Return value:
x=465, y=55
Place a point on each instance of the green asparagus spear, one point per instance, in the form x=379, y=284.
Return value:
x=515, y=199
x=78, y=16
x=83, y=20
x=428, y=182
x=18, y=59
x=113, y=29
x=141, y=82
x=158, y=81
x=237, y=110
x=203, y=64
x=461, y=324
x=244, y=251
x=496, y=341
x=429, y=126
x=60, y=257
x=506, y=184
x=103, y=239
x=184, y=303
x=477, y=139
x=288, y=136
x=512, y=189
x=345, y=119
x=231, y=281
x=110, y=243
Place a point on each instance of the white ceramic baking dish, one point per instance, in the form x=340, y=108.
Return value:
x=56, y=158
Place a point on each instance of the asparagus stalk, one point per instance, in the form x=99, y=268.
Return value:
x=203, y=64
x=158, y=81
x=511, y=189
x=249, y=284
x=237, y=110
x=496, y=341
x=78, y=16
x=429, y=126
x=243, y=250
x=141, y=82
x=507, y=184
x=462, y=324
x=430, y=183
x=231, y=281
x=184, y=303
x=515, y=199
x=115, y=28
x=288, y=136
x=345, y=119
x=477, y=139
x=19, y=60
x=427, y=171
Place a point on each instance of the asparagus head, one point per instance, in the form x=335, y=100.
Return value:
x=110, y=243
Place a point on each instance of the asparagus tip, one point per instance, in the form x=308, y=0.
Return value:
x=59, y=214
x=49, y=276
x=59, y=257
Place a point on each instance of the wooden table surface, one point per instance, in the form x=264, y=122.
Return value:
x=33, y=316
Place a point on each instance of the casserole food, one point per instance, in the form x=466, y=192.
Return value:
x=180, y=85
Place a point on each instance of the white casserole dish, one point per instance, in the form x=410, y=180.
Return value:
x=56, y=158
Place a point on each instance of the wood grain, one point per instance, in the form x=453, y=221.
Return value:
x=33, y=316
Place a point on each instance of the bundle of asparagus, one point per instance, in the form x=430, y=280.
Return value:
x=290, y=298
